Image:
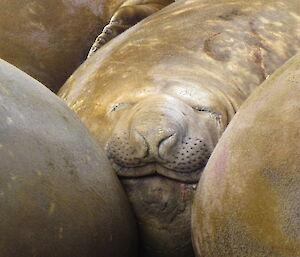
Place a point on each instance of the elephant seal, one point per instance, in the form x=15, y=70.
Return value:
x=49, y=39
x=247, y=202
x=58, y=194
x=160, y=96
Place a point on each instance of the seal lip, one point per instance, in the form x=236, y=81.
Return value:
x=191, y=185
x=158, y=170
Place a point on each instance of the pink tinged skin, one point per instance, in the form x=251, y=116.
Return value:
x=220, y=167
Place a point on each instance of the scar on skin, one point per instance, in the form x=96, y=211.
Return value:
x=208, y=49
x=258, y=57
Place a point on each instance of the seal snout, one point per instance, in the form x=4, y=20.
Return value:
x=158, y=143
x=148, y=141
x=166, y=144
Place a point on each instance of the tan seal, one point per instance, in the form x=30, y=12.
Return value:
x=58, y=193
x=247, y=203
x=160, y=95
x=49, y=39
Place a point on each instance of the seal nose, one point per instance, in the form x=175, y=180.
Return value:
x=154, y=143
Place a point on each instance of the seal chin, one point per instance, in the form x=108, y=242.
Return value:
x=161, y=199
x=162, y=206
x=157, y=169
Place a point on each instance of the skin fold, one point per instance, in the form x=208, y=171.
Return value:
x=159, y=96
x=127, y=15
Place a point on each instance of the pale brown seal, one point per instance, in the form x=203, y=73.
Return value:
x=58, y=194
x=248, y=200
x=160, y=96
x=49, y=39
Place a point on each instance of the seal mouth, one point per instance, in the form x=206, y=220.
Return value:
x=155, y=169
x=192, y=186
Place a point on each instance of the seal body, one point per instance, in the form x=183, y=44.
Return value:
x=49, y=39
x=160, y=96
x=58, y=194
x=247, y=203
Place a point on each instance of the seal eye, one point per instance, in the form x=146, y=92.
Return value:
x=204, y=109
x=119, y=106
x=214, y=114
x=201, y=109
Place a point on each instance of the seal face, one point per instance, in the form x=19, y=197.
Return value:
x=58, y=193
x=161, y=135
x=159, y=97
x=247, y=202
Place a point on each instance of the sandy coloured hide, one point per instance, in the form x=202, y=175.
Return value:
x=160, y=95
x=128, y=14
x=58, y=194
x=248, y=200
x=49, y=39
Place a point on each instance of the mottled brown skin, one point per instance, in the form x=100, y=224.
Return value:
x=59, y=196
x=248, y=200
x=160, y=96
x=127, y=15
x=49, y=39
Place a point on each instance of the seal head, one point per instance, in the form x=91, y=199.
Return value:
x=159, y=147
x=163, y=135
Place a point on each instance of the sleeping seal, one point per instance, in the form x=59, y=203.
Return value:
x=247, y=202
x=160, y=95
x=58, y=194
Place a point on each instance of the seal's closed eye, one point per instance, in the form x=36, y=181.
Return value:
x=118, y=106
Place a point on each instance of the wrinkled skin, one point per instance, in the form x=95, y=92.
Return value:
x=247, y=203
x=128, y=14
x=160, y=95
x=49, y=39
x=58, y=194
